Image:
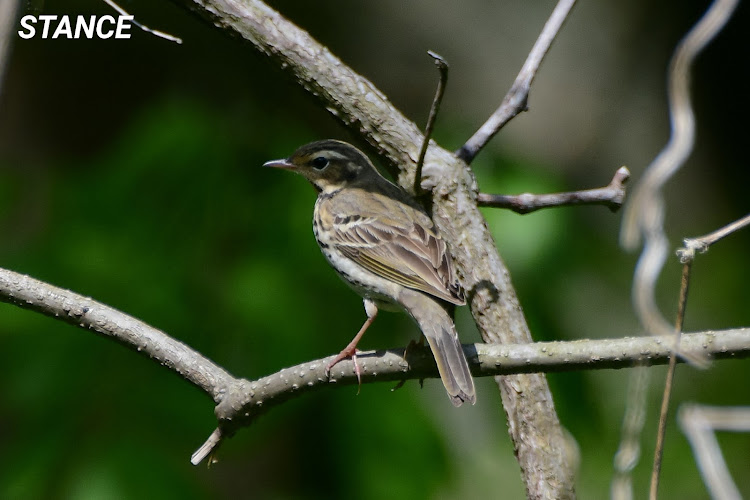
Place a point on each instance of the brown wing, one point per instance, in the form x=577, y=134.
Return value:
x=400, y=249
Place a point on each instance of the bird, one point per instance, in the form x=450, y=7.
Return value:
x=383, y=244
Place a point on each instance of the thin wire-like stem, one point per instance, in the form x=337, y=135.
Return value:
x=442, y=66
x=669, y=383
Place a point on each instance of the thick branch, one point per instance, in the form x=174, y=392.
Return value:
x=67, y=306
x=258, y=396
x=239, y=401
x=360, y=106
x=348, y=96
x=611, y=196
x=484, y=360
x=517, y=97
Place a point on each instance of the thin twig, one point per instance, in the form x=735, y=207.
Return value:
x=702, y=243
x=442, y=66
x=644, y=216
x=668, y=384
x=145, y=28
x=611, y=196
x=687, y=256
x=517, y=97
x=209, y=447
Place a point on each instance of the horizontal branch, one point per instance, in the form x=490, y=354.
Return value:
x=239, y=401
x=256, y=397
x=612, y=196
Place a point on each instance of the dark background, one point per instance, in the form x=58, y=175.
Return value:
x=130, y=172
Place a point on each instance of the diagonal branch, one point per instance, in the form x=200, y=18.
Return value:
x=517, y=97
x=612, y=196
x=84, y=312
x=350, y=97
x=703, y=243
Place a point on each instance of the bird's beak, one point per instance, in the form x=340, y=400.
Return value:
x=279, y=164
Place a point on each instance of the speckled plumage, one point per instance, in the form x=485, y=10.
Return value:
x=384, y=246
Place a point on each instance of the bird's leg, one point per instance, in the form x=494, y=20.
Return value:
x=350, y=351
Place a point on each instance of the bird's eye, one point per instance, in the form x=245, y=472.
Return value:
x=320, y=162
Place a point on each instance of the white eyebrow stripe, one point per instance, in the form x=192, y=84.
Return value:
x=334, y=155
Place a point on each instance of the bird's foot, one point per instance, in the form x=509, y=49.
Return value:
x=348, y=352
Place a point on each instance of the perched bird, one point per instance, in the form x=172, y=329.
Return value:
x=385, y=246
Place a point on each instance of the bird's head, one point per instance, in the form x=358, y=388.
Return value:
x=329, y=165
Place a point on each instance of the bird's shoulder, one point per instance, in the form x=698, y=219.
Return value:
x=385, y=204
x=387, y=234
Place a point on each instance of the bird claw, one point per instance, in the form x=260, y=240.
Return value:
x=346, y=353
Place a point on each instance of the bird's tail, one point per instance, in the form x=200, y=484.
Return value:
x=437, y=326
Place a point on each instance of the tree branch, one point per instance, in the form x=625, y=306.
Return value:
x=240, y=401
x=67, y=306
x=442, y=66
x=517, y=97
x=258, y=396
x=703, y=243
x=363, y=108
x=612, y=196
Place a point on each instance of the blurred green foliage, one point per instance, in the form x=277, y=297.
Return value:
x=135, y=179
